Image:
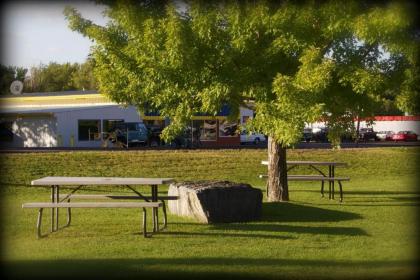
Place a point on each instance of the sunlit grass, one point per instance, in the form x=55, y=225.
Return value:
x=373, y=233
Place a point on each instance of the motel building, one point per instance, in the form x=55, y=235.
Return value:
x=82, y=118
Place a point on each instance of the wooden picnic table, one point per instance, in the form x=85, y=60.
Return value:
x=78, y=182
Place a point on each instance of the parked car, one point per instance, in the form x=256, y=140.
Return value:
x=347, y=136
x=320, y=134
x=367, y=134
x=253, y=138
x=130, y=134
x=307, y=135
x=385, y=135
x=405, y=135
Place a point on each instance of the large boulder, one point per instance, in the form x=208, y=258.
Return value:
x=215, y=201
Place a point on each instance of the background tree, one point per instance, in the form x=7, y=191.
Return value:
x=61, y=77
x=296, y=62
x=52, y=77
x=83, y=78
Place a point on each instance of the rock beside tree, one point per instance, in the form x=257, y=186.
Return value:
x=216, y=201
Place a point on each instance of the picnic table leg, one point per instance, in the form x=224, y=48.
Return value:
x=155, y=210
x=68, y=215
x=39, y=221
x=332, y=182
x=57, y=199
x=165, y=218
x=329, y=182
x=144, y=222
x=341, y=191
x=52, y=209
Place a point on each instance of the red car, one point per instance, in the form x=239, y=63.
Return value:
x=404, y=136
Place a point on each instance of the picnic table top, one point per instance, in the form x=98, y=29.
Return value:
x=57, y=180
x=298, y=162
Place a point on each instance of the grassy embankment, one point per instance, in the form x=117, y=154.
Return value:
x=373, y=233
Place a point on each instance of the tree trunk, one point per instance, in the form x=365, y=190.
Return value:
x=277, y=188
x=357, y=131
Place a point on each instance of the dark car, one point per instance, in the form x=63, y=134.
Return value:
x=347, y=136
x=367, y=134
x=130, y=134
x=307, y=135
x=320, y=134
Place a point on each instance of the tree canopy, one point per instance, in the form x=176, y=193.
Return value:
x=297, y=62
x=61, y=77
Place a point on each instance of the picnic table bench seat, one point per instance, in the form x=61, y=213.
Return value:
x=162, y=198
x=69, y=205
x=117, y=196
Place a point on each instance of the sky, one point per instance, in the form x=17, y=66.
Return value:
x=34, y=32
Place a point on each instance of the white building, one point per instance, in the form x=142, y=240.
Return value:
x=385, y=123
x=395, y=123
x=60, y=119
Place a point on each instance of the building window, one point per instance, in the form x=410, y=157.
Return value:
x=6, y=131
x=89, y=130
x=109, y=126
x=227, y=129
x=206, y=130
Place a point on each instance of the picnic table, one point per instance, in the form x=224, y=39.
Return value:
x=315, y=165
x=77, y=183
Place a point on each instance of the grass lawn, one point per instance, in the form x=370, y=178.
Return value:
x=372, y=234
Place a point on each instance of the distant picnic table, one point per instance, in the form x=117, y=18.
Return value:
x=330, y=177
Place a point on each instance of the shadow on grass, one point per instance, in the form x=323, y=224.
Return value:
x=380, y=203
x=347, y=231
x=189, y=268
x=382, y=192
x=276, y=214
x=406, y=198
x=360, y=192
x=389, y=201
x=409, y=198
x=385, y=198
x=247, y=228
x=290, y=212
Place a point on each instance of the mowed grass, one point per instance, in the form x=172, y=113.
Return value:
x=372, y=234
